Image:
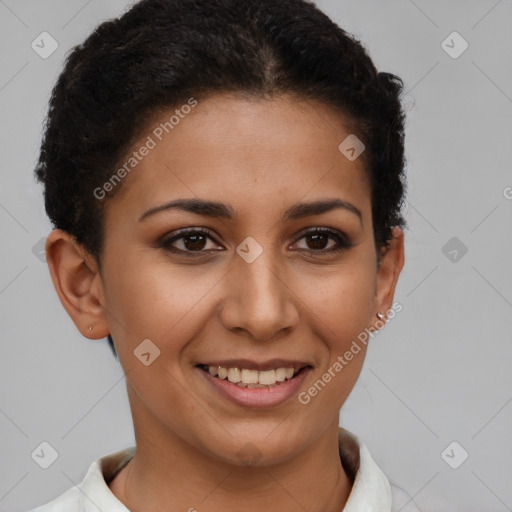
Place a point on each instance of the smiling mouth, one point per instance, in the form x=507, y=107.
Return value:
x=248, y=378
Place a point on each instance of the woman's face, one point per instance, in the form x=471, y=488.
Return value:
x=256, y=290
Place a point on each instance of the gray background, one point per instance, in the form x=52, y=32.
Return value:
x=438, y=372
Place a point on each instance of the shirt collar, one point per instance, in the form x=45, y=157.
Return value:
x=370, y=492
x=96, y=495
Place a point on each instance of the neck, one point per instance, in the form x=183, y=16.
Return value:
x=169, y=474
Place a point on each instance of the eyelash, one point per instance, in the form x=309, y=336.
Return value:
x=341, y=240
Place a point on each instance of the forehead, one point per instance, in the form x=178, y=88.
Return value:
x=242, y=150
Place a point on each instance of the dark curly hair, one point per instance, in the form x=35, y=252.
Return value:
x=161, y=52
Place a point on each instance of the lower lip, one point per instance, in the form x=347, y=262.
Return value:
x=257, y=397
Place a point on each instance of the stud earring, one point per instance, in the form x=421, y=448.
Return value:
x=90, y=327
x=380, y=316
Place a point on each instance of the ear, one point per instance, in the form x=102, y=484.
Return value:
x=389, y=268
x=78, y=283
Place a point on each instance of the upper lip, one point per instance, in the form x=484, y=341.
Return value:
x=270, y=364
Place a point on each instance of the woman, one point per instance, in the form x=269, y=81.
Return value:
x=226, y=179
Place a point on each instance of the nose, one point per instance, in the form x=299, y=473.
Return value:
x=259, y=300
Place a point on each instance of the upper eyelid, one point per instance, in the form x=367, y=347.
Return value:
x=181, y=233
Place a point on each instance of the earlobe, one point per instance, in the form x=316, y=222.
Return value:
x=388, y=271
x=74, y=273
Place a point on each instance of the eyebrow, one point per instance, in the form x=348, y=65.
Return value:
x=221, y=210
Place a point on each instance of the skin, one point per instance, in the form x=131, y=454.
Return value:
x=260, y=157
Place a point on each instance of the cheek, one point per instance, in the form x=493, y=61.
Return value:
x=156, y=301
x=152, y=302
x=341, y=302
x=340, y=312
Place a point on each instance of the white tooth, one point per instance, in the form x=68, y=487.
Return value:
x=212, y=370
x=280, y=374
x=234, y=375
x=267, y=377
x=289, y=373
x=222, y=372
x=250, y=376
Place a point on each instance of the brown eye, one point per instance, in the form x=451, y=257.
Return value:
x=194, y=242
x=190, y=240
x=317, y=240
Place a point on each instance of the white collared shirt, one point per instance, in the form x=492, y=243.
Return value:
x=371, y=491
